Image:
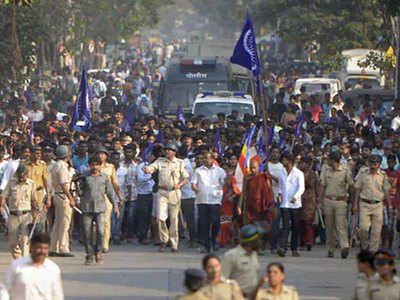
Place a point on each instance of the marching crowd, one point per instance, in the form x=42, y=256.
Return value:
x=330, y=175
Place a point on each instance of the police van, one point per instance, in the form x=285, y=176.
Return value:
x=187, y=77
x=210, y=104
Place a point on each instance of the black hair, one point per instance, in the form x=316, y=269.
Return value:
x=335, y=156
x=288, y=156
x=95, y=160
x=278, y=265
x=40, y=238
x=367, y=257
x=193, y=284
x=206, y=258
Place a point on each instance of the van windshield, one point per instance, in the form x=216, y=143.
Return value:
x=211, y=109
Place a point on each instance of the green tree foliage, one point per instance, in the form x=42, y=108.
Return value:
x=42, y=25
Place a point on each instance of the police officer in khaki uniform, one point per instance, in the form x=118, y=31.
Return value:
x=335, y=183
x=387, y=287
x=63, y=204
x=276, y=290
x=371, y=187
x=172, y=175
x=37, y=171
x=241, y=263
x=20, y=194
x=218, y=287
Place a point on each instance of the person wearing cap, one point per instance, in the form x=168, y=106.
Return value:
x=172, y=175
x=371, y=188
x=193, y=282
x=387, y=287
x=63, y=204
x=20, y=196
x=208, y=182
x=241, y=263
x=37, y=171
x=109, y=170
x=336, y=181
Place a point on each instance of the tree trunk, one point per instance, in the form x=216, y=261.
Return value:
x=14, y=37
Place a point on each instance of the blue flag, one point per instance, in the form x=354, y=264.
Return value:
x=217, y=145
x=299, y=124
x=146, y=153
x=372, y=125
x=129, y=119
x=81, y=120
x=180, y=116
x=282, y=143
x=245, y=53
x=159, y=137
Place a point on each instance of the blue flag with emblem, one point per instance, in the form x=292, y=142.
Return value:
x=245, y=52
x=180, y=116
x=217, y=145
x=81, y=119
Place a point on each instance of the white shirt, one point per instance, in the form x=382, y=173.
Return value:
x=276, y=170
x=293, y=188
x=35, y=116
x=395, y=124
x=126, y=175
x=187, y=191
x=210, y=182
x=24, y=281
x=9, y=171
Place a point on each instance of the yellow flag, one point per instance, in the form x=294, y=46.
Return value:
x=390, y=55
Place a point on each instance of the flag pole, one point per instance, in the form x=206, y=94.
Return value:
x=264, y=111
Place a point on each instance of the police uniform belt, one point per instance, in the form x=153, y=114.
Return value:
x=165, y=188
x=370, y=201
x=19, y=212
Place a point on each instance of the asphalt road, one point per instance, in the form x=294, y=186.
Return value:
x=140, y=272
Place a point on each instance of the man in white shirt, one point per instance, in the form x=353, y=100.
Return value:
x=11, y=167
x=208, y=182
x=35, y=114
x=35, y=276
x=188, y=199
x=277, y=171
x=291, y=193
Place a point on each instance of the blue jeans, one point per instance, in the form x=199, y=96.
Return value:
x=131, y=220
x=87, y=223
x=116, y=223
x=276, y=229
